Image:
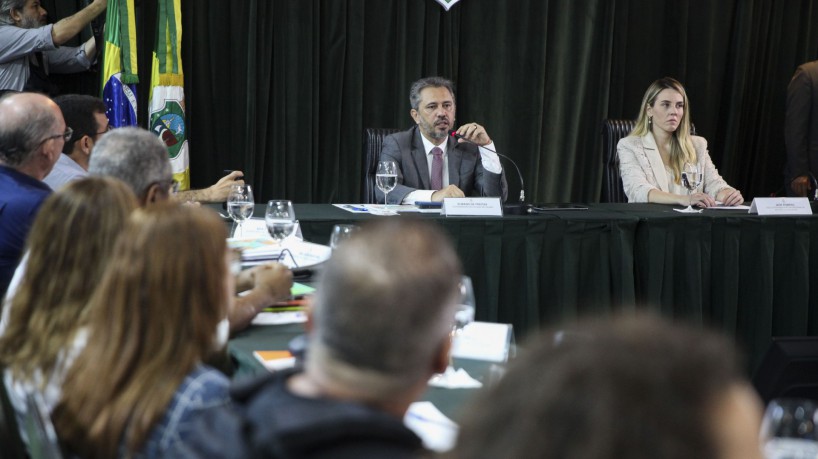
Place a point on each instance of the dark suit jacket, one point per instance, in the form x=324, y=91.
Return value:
x=801, y=126
x=465, y=168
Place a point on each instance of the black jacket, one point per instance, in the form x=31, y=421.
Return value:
x=268, y=421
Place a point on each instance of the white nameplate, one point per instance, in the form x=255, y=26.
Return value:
x=781, y=206
x=483, y=341
x=472, y=207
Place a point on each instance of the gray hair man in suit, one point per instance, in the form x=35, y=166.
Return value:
x=433, y=164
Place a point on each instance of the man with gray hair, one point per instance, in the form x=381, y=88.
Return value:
x=140, y=159
x=30, y=49
x=378, y=330
x=32, y=134
x=432, y=163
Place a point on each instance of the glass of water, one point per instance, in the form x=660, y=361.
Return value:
x=463, y=316
x=280, y=219
x=386, y=178
x=691, y=179
x=240, y=204
x=341, y=233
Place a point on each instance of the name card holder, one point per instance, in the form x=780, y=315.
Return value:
x=781, y=206
x=484, y=341
x=472, y=207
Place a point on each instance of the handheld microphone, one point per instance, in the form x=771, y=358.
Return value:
x=515, y=209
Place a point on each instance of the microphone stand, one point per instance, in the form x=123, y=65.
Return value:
x=508, y=209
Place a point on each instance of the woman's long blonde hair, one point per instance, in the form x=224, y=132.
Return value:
x=681, y=147
x=68, y=250
x=151, y=321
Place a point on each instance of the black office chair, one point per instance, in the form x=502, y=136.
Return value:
x=12, y=445
x=42, y=438
x=612, y=132
x=373, y=141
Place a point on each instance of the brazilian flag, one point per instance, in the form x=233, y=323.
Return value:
x=119, y=72
x=167, y=96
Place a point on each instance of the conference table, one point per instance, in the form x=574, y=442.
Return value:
x=747, y=275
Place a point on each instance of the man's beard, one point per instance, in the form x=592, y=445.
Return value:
x=31, y=23
x=434, y=132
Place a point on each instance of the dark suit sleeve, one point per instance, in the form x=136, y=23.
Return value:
x=391, y=152
x=796, y=126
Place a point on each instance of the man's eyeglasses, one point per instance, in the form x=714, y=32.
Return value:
x=109, y=128
x=66, y=136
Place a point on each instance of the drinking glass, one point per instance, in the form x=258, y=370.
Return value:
x=386, y=178
x=463, y=315
x=240, y=204
x=280, y=219
x=691, y=179
x=340, y=233
x=788, y=429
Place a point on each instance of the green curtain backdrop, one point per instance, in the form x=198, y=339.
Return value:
x=283, y=89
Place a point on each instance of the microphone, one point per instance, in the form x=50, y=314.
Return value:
x=515, y=209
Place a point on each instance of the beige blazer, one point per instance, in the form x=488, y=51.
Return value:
x=642, y=170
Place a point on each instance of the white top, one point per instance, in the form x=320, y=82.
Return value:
x=65, y=171
x=52, y=391
x=642, y=169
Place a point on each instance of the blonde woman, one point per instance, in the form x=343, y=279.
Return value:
x=67, y=252
x=653, y=156
x=158, y=312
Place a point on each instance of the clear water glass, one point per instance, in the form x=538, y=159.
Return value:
x=240, y=205
x=280, y=219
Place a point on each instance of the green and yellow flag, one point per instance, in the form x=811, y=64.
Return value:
x=167, y=96
x=119, y=70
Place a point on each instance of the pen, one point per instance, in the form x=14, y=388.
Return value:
x=230, y=171
x=278, y=309
x=357, y=209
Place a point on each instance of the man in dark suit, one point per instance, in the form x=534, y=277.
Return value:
x=801, y=130
x=432, y=164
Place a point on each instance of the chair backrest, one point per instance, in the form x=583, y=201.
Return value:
x=373, y=141
x=42, y=438
x=612, y=132
x=10, y=441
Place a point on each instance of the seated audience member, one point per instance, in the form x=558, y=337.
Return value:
x=217, y=192
x=378, y=330
x=432, y=164
x=632, y=388
x=32, y=133
x=652, y=158
x=140, y=381
x=67, y=252
x=86, y=116
x=140, y=159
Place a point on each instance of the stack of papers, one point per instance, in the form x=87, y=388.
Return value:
x=275, y=360
x=296, y=253
x=380, y=209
